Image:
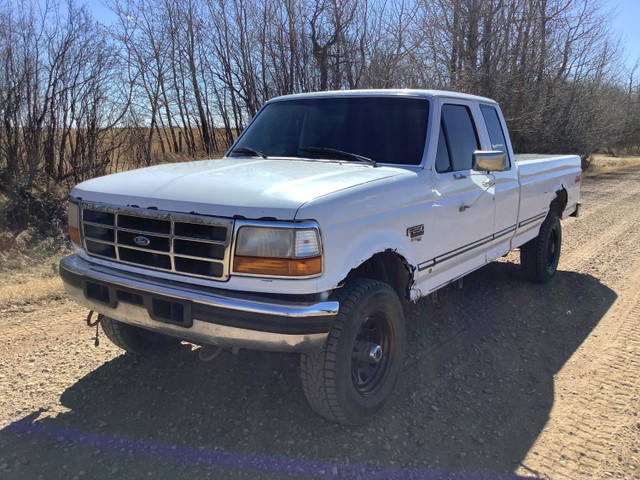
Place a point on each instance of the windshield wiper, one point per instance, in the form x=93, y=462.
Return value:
x=340, y=153
x=252, y=151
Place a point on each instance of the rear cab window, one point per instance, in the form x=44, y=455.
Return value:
x=494, y=128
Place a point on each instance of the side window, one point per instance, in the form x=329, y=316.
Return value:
x=496, y=134
x=460, y=134
x=443, y=160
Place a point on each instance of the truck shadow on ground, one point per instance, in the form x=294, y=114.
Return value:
x=476, y=391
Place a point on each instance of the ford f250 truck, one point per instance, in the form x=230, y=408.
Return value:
x=328, y=211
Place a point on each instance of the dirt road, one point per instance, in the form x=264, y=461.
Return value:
x=504, y=378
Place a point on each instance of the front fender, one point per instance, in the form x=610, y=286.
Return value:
x=362, y=248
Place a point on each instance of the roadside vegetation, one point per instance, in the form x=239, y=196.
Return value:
x=170, y=81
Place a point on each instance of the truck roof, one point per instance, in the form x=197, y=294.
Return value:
x=387, y=93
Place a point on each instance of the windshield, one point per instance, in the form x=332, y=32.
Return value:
x=384, y=129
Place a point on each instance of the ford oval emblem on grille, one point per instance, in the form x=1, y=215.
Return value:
x=142, y=241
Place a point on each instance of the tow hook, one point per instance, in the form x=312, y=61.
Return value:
x=96, y=341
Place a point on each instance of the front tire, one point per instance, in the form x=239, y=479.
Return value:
x=539, y=257
x=353, y=377
x=136, y=340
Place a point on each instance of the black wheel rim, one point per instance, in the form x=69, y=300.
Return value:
x=552, y=249
x=367, y=374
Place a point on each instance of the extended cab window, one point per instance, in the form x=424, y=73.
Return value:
x=496, y=134
x=458, y=135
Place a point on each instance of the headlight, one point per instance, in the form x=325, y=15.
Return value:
x=277, y=251
x=74, y=222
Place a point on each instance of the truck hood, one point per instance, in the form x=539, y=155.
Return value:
x=252, y=188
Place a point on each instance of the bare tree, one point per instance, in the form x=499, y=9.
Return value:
x=175, y=79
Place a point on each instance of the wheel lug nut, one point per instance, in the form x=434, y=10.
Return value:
x=375, y=353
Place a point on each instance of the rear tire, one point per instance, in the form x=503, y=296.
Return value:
x=353, y=377
x=539, y=257
x=136, y=340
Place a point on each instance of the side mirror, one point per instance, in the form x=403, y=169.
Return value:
x=489, y=161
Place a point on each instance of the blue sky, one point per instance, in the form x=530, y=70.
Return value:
x=102, y=13
x=626, y=23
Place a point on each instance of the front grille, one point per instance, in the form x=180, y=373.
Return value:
x=173, y=242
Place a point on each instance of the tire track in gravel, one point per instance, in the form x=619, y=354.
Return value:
x=599, y=196
x=599, y=386
x=596, y=194
x=606, y=228
x=29, y=323
x=40, y=349
x=600, y=391
x=607, y=209
x=589, y=250
x=599, y=203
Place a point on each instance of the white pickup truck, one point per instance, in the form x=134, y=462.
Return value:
x=328, y=211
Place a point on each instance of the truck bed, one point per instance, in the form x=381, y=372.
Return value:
x=540, y=175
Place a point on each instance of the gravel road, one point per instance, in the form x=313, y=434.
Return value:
x=504, y=379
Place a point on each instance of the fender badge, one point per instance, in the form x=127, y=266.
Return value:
x=141, y=241
x=415, y=231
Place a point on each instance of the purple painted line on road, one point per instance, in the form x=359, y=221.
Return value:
x=239, y=461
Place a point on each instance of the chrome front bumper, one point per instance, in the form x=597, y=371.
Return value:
x=198, y=314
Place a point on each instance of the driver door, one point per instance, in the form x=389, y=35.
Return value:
x=460, y=227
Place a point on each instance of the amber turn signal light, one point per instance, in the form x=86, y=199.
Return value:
x=74, y=233
x=283, y=267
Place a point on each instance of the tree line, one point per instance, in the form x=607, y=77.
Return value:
x=166, y=80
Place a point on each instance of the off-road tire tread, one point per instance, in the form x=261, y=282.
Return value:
x=533, y=254
x=318, y=368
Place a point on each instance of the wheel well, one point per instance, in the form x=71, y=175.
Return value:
x=560, y=202
x=388, y=267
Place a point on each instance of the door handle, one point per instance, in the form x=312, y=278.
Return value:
x=488, y=183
